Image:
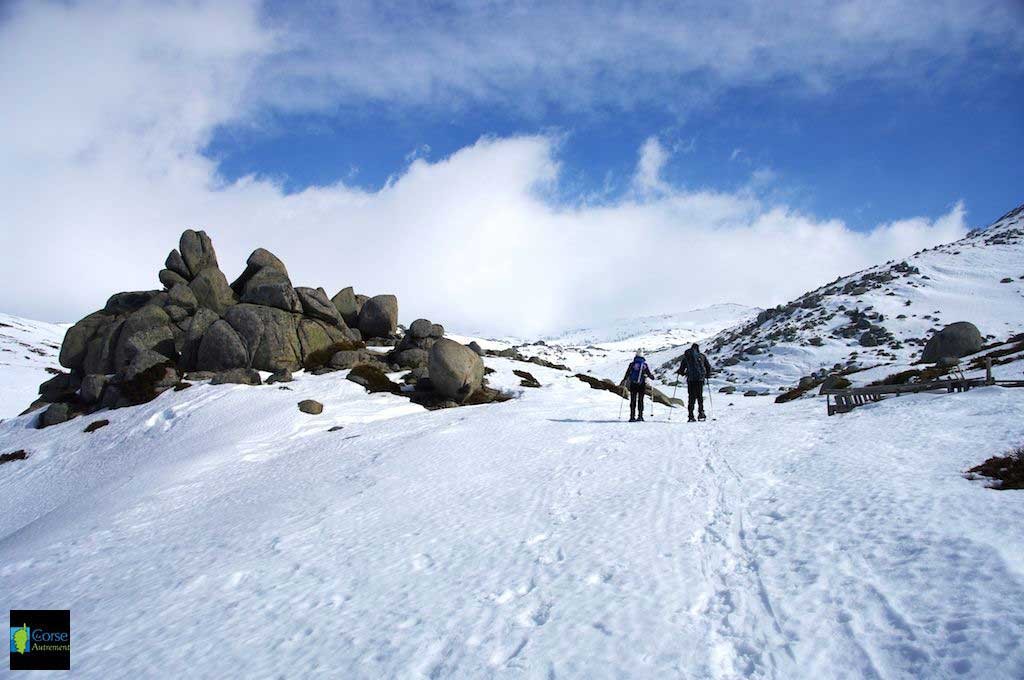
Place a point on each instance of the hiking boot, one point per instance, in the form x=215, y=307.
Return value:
x=701, y=416
x=640, y=419
x=691, y=419
x=632, y=420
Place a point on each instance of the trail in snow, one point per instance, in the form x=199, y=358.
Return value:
x=219, y=532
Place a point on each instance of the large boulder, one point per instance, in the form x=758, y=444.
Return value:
x=92, y=388
x=197, y=252
x=319, y=341
x=182, y=296
x=54, y=415
x=258, y=260
x=76, y=339
x=410, y=358
x=269, y=335
x=200, y=323
x=316, y=305
x=170, y=279
x=237, y=376
x=148, y=328
x=176, y=264
x=378, y=317
x=954, y=341
x=99, y=355
x=60, y=387
x=345, y=303
x=420, y=328
x=212, y=291
x=221, y=349
x=455, y=370
x=130, y=301
x=148, y=374
x=347, y=358
x=271, y=288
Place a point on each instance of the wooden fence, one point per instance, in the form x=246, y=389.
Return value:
x=848, y=399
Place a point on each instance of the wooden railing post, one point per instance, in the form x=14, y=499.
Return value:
x=988, y=371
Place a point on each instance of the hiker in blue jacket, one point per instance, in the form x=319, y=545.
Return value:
x=636, y=378
x=696, y=367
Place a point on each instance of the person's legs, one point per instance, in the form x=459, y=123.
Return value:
x=693, y=393
x=632, y=402
x=640, y=394
x=700, y=399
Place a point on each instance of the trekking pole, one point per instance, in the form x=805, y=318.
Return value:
x=674, y=388
x=652, y=401
x=708, y=383
x=620, y=405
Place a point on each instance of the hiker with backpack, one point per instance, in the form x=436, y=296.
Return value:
x=636, y=378
x=696, y=367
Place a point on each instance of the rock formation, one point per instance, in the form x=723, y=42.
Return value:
x=142, y=342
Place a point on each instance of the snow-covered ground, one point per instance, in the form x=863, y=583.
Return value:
x=219, y=532
x=27, y=349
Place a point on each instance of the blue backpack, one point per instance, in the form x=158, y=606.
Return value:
x=636, y=370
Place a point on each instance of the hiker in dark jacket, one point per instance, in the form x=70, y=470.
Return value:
x=697, y=369
x=636, y=378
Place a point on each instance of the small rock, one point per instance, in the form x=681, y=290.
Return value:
x=53, y=415
x=95, y=425
x=237, y=376
x=311, y=407
x=280, y=377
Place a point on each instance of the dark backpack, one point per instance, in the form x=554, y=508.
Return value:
x=636, y=370
x=695, y=369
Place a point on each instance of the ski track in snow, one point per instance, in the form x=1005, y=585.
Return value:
x=218, y=532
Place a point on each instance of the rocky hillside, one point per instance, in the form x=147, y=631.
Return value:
x=881, y=318
x=200, y=327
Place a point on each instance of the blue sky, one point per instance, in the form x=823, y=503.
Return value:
x=490, y=162
x=866, y=153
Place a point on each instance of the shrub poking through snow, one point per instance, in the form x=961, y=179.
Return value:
x=95, y=425
x=1007, y=470
x=527, y=379
x=16, y=455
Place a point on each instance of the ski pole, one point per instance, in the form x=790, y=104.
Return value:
x=674, y=388
x=708, y=383
x=620, y=404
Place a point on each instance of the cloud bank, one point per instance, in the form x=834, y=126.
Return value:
x=102, y=165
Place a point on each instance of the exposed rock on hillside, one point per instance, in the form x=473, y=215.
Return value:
x=952, y=342
x=883, y=317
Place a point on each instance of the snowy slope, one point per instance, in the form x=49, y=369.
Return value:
x=654, y=333
x=605, y=350
x=218, y=532
x=27, y=349
x=979, y=278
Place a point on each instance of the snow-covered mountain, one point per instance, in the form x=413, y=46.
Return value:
x=604, y=350
x=654, y=333
x=28, y=355
x=882, y=316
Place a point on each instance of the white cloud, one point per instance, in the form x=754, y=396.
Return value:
x=577, y=56
x=101, y=167
x=651, y=162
